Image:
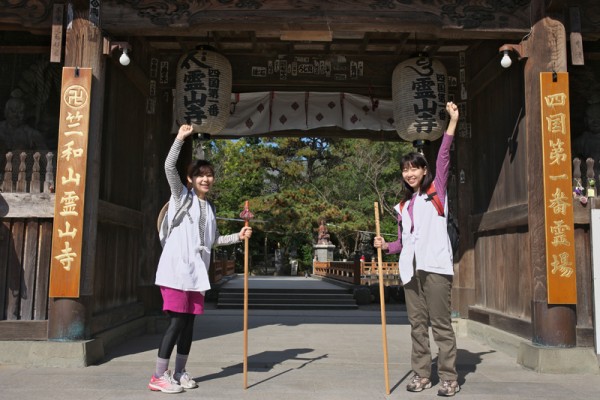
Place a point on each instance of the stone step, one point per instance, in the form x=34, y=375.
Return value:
x=277, y=299
x=299, y=306
x=286, y=291
x=290, y=297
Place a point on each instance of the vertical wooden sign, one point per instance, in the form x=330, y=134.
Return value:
x=575, y=38
x=558, y=197
x=65, y=263
x=57, y=33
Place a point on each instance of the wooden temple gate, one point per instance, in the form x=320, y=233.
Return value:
x=496, y=170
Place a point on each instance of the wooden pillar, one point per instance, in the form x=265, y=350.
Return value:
x=69, y=319
x=552, y=325
x=157, y=142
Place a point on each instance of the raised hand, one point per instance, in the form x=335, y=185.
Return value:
x=452, y=110
x=185, y=131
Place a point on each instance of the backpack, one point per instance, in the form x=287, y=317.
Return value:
x=162, y=223
x=452, y=225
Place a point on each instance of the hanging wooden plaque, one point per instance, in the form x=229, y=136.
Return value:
x=57, y=33
x=558, y=197
x=67, y=235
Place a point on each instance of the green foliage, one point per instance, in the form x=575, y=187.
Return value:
x=293, y=183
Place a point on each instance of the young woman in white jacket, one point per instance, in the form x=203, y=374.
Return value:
x=426, y=264
x=182, y=273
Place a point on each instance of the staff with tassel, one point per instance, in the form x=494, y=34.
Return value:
x=246, y=215
x=382, y=302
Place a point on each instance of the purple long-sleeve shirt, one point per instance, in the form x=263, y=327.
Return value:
x=442, y=170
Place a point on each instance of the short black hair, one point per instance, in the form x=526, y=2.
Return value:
x=200, y=167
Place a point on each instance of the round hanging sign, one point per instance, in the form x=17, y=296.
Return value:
x=419, y=96
x=203, y=90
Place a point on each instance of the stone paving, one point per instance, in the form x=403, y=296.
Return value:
x=294, y=355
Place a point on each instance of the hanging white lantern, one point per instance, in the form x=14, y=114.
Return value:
x=203, y=90
x=419, y=95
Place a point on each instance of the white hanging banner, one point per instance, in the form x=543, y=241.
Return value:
x=385, y=113
x=249, y=114
x=360, y=112
x=288, y=111
x=263, y=112
x=324, y=109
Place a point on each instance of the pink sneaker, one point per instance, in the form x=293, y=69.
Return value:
x=165, y=383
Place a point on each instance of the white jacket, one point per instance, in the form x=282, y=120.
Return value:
x=183, y=263
x=428, y=245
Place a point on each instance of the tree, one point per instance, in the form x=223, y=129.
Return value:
x=369, y=172
x=293, y=183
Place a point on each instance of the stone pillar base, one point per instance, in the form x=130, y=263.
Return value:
x=554, y=360
x=324, y=252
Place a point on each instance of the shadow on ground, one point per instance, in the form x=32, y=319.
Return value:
x=264, y=362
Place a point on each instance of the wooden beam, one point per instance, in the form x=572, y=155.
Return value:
x=307, y=36
x=23, y=330
x=135, y=74
x=330, y=132
x=338, y=15
x=253, y=40
x=119, y=215
x=402, y=42
x=510, y=217
x=27, y=205
x=485, y=76
x=116, y=317
x=365, y=43
x=505, y=322
x=24, y=49
x=217, y=41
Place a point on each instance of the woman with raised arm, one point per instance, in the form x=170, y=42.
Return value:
x=426, y=264
x=182, y=273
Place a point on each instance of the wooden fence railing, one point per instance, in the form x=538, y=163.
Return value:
x=26, y=213
x=369, y=273
x=340, y=270
x=220, y=269
x=358, y=273
x=27, y=172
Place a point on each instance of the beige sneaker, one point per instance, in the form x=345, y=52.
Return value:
x=185, y=380
x=417, y=384
x=448, y=388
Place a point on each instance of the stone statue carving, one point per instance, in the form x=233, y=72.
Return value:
x=323, y=233
x=15, y=134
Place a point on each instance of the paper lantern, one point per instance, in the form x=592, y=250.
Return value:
x=203, y=90
x=419, y=95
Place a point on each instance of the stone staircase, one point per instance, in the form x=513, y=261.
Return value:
x=287, y=299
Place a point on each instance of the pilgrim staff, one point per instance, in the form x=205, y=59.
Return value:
x=382, y=302
x=246, y=215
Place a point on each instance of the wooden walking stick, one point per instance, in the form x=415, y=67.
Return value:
x=246, y=215
x=382, y=301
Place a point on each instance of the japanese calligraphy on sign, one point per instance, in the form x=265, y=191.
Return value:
x=203, y=90
x=420, y=93
x=57, y=33
x=558, y=200
x=65, y=263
